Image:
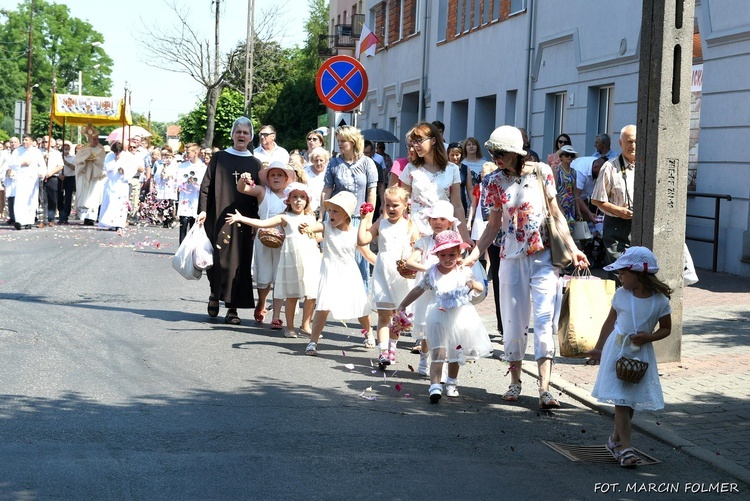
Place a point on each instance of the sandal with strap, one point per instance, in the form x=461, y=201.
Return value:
x=547, y=401
x=213, y=309
x=627, y=458
x=611, y=446
x=290, y=333
x=259, y=314
x=277, y=324
x=514, y=391
x=312, y=349
x=232, y=318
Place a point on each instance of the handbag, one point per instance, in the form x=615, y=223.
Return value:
x=561, y=255
x=581, y=230
x=183, y=258
x=272, y=238
x=585, y=305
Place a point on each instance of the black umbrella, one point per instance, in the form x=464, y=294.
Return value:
x=379, y=136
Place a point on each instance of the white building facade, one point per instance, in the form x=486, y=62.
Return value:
x=568, y=66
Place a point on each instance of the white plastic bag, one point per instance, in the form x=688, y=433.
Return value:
x=480, y=275
x=689, y=275
x=203, y=251
x=183, y=258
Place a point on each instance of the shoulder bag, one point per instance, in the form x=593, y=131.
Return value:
x=561, y=255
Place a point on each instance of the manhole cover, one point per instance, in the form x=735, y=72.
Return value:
x=595, y=453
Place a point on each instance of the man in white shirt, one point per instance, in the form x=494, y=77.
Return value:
x=603, y=144
x=268, y=151
x=9, y=176
x=68, y=182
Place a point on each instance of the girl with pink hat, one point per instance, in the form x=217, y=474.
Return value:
x=455, y=332
x=270, y=195
x=298, y=270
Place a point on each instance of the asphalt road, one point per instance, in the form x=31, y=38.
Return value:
x=114, y=384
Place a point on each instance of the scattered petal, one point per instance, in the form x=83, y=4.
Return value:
x=343, y=352
x=411, y=368
x=369, y=397
x=398, y=387
x=407, y=395
x=350, y=366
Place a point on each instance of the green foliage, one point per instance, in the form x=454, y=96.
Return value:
x=60, y=42
x=228, y=109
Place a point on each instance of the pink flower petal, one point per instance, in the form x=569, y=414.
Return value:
x=398, y=387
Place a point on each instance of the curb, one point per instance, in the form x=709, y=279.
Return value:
x=657, y=432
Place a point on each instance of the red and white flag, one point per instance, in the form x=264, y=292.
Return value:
x=367, y=42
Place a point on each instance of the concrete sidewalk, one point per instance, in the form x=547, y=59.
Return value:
x=707, y=411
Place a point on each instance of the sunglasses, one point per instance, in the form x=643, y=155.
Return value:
x=419, y=141
x=498, y=153
x=569, y=155
x=311, y=139
x=563, y=141
x=265, y=134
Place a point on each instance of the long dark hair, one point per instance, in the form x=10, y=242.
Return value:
x=566, y=137
x=651, y=282
x=116, y=147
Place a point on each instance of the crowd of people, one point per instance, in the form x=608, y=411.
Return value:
x=357, y=232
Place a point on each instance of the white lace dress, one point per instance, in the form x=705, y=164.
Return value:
x=341, y=290
x=454, y=330
x=424, y=244
x=266, y=259
x=426, y=189
x=298, y=272
x=633, y=315
x=389, y=288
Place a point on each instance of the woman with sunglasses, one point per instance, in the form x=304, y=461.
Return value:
x=565, y=180
x=553, y=159
x=526, y=275
x=314, y=139
x=430, y=177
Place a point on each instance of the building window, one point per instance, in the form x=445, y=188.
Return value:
x=606, y=110
x=401, y=13
x=517, y=6
x=415, y=8
x=558, y=125
x=467, y=15
x=477, y=13
x=442, y=33
x=496, y=9
x=486, y=12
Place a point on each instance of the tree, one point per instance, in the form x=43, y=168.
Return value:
x=194, y=56
x=229, y=106
x=60, y=42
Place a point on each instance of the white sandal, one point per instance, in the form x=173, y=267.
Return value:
x=514, y=391
x=312, y=349
x=547, y=401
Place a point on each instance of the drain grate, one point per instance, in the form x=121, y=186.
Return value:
x=595, y=453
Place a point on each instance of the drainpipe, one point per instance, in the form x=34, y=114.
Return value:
x=529, y=81
x=423, y=79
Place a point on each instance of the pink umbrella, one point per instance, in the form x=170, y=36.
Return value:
x=130, y=131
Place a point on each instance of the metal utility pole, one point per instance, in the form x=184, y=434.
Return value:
x=27, y=125
x=249, y=49
x=216, y=43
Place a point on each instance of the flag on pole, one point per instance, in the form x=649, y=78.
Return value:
x=367, y=42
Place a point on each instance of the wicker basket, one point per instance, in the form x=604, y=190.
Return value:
x=631, y=370
x=404, y=271
x=271, y=237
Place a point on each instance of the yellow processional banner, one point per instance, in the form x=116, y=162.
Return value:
x=84, y=110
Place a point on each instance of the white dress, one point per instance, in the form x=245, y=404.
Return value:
x=114, y=211
x=389, y=288
x=266, y=259
x=341, y=290
x=633, y=315
x=425, y=244
x=454, y=330
x=190, y=176
x=298, y=272
x=426, y=189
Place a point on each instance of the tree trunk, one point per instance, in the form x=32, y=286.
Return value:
x=212, y=100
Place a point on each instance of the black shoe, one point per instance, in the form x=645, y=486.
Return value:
x=17, y=226
x=88, y=222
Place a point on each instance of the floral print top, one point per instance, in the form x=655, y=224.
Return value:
x=566, y=199
x=520, y=199
x=426, y=189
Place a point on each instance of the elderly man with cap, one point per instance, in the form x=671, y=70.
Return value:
x=90, y=177
x=516, y=196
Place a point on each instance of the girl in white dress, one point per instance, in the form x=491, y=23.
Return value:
x=270, y=195
x=120, y=166
x=341, y=291
x=298, y=271
x=637, y=307
x=189, y=176
x=395, y=236
x=422, y=259
x=454, y=331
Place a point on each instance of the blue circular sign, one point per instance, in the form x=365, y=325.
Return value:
x=341, y=83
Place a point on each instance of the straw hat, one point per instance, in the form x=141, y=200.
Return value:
x=291, y=176
x=441, y=208
x=506, y=138
x=345, y=200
